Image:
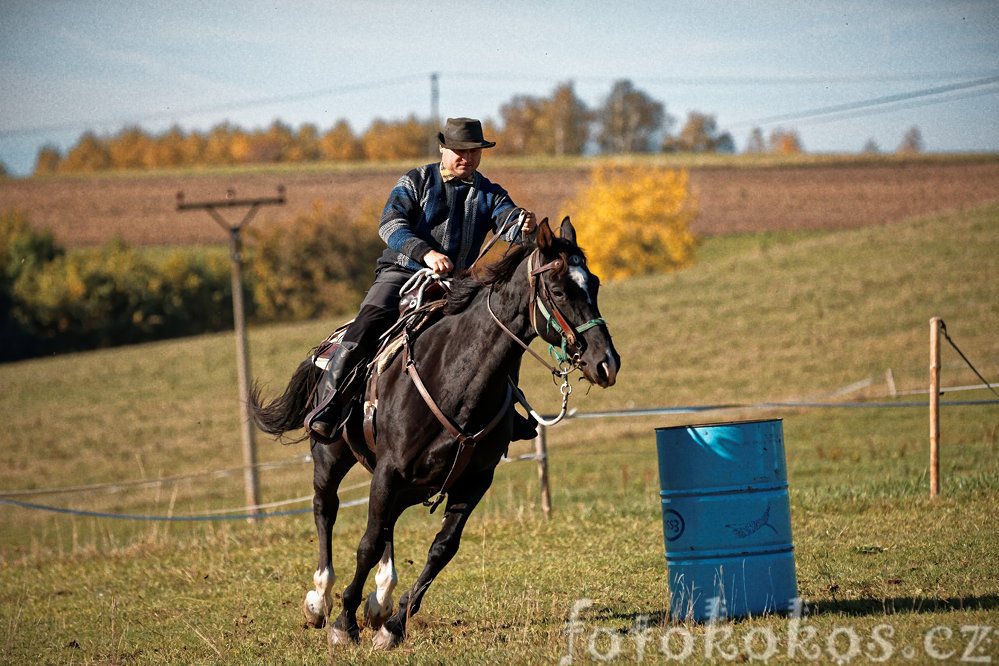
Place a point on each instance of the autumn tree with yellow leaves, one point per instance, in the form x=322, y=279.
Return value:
x=634, y=220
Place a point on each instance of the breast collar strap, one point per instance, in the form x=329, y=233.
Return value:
x=466, y=442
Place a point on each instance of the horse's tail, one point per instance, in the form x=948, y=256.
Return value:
x=286, y=412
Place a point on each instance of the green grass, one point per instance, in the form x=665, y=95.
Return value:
x=765, y=318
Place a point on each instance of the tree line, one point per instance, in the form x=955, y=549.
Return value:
x=316, y=264
x=627, y=121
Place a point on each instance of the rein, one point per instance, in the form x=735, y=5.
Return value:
x=506, y=226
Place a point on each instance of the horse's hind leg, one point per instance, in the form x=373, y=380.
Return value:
x=330, y=464
x=462, y=499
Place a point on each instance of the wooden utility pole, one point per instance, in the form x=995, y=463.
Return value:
x=434, y=115
x=239, y=319
x=935, y=406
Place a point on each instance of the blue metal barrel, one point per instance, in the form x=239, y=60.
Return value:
x=726, y=519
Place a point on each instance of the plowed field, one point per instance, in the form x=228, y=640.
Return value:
x=734, y=199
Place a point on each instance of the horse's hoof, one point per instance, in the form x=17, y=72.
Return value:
x=386, y=640
x=340, y=636
x=374, y=617
x=314, y=610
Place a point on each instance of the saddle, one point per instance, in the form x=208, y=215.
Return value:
x=420, y=290
x=420, y=306
x=422, y=302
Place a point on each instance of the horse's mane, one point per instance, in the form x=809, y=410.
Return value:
x=468, y=284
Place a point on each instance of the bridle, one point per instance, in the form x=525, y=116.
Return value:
x=555, y=320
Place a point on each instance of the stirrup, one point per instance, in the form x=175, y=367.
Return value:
x=336, y=406
x=323, y=439
x=331, y=412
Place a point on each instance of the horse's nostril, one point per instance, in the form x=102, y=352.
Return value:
x=608, y=372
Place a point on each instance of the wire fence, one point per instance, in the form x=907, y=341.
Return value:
x=259, y=511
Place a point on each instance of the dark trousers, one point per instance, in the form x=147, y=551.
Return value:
x=379, y=309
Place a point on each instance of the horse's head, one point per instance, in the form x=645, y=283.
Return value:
x=565, y=309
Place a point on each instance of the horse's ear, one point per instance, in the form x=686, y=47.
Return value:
x=567, y=232
x=544, y=236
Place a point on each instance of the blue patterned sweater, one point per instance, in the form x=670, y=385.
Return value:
x=424, y=213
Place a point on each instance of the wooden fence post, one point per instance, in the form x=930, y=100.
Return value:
x=541, y=450
x=935, y=406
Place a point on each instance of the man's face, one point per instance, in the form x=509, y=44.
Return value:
x=461, y=163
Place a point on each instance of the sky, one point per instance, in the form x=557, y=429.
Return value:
x=839, y=73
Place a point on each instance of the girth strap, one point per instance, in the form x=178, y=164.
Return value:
x=466, y=443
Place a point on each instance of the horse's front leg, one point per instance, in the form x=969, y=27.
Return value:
x=462, y=499
x=382, y=514
x=330, y=464
x=378, y=606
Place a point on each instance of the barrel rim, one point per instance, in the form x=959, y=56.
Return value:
x=720, y=424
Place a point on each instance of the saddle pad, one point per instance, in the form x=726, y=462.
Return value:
x=388, y=352
x=323, y=353
x=415, y=323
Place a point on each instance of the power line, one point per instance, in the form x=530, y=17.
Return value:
x=821, y=79
x=870, y=103
x=491, y=78
x=215, y=108
x=899, y=107
x=810, y=80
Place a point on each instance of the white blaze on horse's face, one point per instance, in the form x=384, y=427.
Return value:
x=581, y=276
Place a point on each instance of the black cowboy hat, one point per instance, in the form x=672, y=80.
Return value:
x=463, y=134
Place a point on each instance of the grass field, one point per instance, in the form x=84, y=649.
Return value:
x=888, y=573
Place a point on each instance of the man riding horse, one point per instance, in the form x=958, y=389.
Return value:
x=440, y=417
x=436, y=216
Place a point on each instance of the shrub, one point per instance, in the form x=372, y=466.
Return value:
x=53, y=301
x=634, y=220
x=113, y=296
x=22, y=251
x=196, y=293
x=22, y=248
x=319, y=264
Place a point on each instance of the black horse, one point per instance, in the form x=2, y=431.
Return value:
x=458, y=383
